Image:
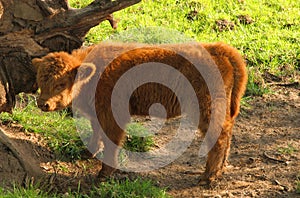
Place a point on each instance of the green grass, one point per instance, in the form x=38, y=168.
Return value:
x=57, y=127
x=124, y=189
x=138, y=138
x=271, y=43
x=298, y=183
x=80, y=3
x=60, y=130
x=290, y=149
x=18, y=192
x=113, y=189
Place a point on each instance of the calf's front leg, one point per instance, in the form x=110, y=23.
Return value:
x=112, y=142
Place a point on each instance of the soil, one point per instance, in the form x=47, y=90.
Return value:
x=264, y=159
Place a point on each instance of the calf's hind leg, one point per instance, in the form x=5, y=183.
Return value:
x=217, y=156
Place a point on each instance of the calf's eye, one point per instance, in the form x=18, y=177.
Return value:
x=60, y=86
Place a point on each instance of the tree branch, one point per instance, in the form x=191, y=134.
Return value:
x=22, y=40
x=81, y=20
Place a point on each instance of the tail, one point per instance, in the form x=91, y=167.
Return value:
x=240, y=76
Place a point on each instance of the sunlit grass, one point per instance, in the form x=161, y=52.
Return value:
x=112, y=188
x=270, y=43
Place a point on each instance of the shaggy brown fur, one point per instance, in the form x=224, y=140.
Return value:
x=56, y=74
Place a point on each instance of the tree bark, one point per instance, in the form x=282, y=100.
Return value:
x=33, y=28
x=27, y=162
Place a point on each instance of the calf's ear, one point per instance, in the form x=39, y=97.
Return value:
x=36, y=62
x=85, y=72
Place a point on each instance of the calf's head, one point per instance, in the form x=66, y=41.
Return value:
x=56, y=74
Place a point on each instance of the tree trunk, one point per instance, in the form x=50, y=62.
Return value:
x=33, y=28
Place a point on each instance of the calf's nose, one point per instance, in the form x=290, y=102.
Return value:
x=44, y=106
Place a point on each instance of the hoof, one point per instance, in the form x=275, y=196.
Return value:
x=208, y=182
x=204, y=181
x=101, y=179
x=105, y=174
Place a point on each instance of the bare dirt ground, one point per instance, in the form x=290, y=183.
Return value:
x=264, y=159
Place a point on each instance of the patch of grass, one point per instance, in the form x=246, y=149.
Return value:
x=57, y=127
x=256, y=85
x=290, y=149
x=60, y=131
x=18, y=192
x=269, y=41
x=138, y=138
x=112, y=188
x=127, y=188
x=79, y=3
x=150, y=35
x=298, y=185
x=245, y=104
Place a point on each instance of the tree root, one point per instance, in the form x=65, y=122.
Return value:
x=27, y=162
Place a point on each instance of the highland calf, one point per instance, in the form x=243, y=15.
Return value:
x=56, y=77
